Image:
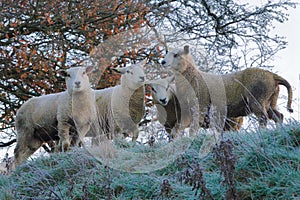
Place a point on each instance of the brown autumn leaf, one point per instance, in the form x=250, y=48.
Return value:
x=23, y=76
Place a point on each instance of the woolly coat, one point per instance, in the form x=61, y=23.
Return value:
x=53, y=117
x=231, y=95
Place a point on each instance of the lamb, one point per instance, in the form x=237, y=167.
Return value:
x=238, y=94
x=167, y=104
x=123, y=104
x=50, y=117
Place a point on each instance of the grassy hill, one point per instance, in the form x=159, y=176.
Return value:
x=262, y=164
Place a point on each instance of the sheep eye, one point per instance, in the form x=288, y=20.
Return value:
x=83, y=73
x=175, y=55
x=167, y=88
x=68, y=75
x=153, y=89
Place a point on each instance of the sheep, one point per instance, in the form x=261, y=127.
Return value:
x=236, y=123
x=169, y=111
x=163, y=92
x=252, y=90
x=167, y=104
x=122, y=106
x=50, y=117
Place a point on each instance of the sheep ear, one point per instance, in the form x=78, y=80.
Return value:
x=120, y=70
x=89, y=69
x=62, y=72
x=170, y=79
x=186, y=49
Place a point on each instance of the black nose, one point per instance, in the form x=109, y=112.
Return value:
x=77, y=83
x=163, y=62
x=163, y=101
x=142, y=78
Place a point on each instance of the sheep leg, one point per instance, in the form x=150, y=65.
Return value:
x=64, y=137
x=275, y=115
x=82, y=131
x=233, y=124
x=272, y=111
x=24, y=151
x=53, y=145
x=19, y=152
x=204, y=120
x=174, y=131
x=229, y=125
x=75, y=141
x=261, y=113
x=135, y=134
x=170, y=131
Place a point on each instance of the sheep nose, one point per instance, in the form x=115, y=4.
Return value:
x=163, y=101
x=77, y=83
x=142, y=78
x=163, y=62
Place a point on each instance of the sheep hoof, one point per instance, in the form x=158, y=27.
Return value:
x=64, y=146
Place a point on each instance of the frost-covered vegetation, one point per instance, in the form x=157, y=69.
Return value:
x=262, y=164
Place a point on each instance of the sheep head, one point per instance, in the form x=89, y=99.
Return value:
x=77, y=79
x=133, y=76
x=161, y=90
x=178, y=59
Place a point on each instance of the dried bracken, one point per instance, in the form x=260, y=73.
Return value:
x=166, y=189
x=226, y=159
x=193, y=176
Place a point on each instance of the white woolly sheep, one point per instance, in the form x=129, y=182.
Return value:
x=167, y=104
x=49, y=117
x=252, y=90
x=168, y=108
x=123, y=105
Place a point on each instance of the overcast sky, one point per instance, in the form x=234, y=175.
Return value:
x=286, y=61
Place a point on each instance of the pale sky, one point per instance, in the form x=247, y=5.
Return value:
x=286, y=61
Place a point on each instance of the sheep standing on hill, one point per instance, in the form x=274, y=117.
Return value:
x=252, y=90
x=122, y=106
x=80, y=108
x=49, y=117
x=167, y=104
x=168, y=107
